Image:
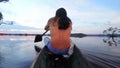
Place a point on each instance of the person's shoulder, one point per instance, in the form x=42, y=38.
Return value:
x=52, y=18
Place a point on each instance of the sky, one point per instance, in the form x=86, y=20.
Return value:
x=88, y=16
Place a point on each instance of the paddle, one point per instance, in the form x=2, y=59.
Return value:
x=38, y=38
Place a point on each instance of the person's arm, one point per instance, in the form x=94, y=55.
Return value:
x=47, y=27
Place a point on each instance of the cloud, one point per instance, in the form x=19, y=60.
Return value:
x=116, y=20
x=87, y=11
x=37, y=17
x=92, y=16
x=82, y=12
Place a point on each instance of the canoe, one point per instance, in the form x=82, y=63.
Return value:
x=46, y=60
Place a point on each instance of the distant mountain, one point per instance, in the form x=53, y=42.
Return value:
x=15, y=26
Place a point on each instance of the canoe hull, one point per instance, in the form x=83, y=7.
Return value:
x=45, y=60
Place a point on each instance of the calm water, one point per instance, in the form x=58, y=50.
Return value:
x=18, y=51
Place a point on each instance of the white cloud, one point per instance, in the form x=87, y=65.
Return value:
x=92, y=16
x=36, y=13
x=116, y=20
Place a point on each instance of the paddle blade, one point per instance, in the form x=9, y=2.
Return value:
x=37, y=48
x=38, y=38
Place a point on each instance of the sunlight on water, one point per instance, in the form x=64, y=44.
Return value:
x=14, y=38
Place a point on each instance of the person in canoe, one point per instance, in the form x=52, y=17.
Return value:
x=60, y=28
x=58, y=50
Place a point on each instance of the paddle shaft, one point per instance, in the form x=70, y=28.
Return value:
x=45, y=32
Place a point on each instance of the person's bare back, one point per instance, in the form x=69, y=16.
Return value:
x=60, y=39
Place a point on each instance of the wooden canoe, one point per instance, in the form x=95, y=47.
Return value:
x=46, y=60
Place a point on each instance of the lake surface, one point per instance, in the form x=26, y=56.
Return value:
x=18, y=51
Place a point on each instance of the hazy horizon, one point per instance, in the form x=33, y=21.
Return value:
x=90, y=17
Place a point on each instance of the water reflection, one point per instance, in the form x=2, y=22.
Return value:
x=17, y=53
x=112, y=41
x=15, y=38
x=1, y=59
x=99, y=53
x=112, y=36
x=20, y=53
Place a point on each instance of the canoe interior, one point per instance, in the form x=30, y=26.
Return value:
x=45, y=60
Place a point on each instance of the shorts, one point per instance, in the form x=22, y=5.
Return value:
x=52, y=49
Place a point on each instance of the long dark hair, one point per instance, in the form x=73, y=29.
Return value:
x=63, y=21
